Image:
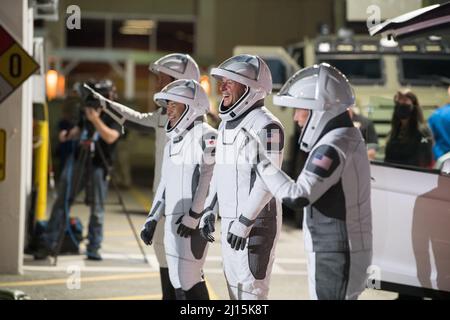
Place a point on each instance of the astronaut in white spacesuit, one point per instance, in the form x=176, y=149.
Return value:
x=251, y=217
x=168, y=68
x=333, y=187
x=187, y=168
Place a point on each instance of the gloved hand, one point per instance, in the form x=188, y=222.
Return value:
x=96, y=95
x=238, y=232
x=188, y=223
x=206, y=226
x=147, y=231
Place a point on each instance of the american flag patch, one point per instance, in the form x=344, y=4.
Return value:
x=273, y=136
x=322, y=161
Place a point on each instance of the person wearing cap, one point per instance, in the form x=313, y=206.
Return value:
x=188, y=163
x=167, y=69
x=333, y=187
x=251, y=216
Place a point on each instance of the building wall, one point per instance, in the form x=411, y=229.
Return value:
x=267, y=22
x=221, y=25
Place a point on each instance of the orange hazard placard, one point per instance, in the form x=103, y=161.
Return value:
x=16, y=65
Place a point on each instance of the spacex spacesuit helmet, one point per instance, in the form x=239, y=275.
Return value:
x=250, y=71
x=178, y=66
x=323, y=90
x=192, y=95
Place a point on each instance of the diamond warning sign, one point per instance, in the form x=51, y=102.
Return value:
x=16, y=65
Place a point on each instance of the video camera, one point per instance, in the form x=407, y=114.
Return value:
x=104, y=87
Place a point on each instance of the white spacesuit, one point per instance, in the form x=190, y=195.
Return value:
x=176, y=66
x=334, y=186
x=251, y=217
x=187, y=169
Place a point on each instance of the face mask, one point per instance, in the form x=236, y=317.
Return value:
x=403, y=111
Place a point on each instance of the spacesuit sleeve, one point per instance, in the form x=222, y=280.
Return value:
x=157, y=209
x=323, y=169
x=211, y=204
x=208, y=147
x=272, y=140
x=159, y=200
x=128, y=117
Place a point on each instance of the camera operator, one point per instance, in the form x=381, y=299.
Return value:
x=99, y=133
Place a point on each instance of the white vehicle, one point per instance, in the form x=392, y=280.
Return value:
x=411, y=223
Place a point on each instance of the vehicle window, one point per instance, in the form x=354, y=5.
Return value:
x=278, y=70
x=358, y=71
x=424, y=71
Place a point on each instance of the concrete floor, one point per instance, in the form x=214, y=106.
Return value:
x=123, y=274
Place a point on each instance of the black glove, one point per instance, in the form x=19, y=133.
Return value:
x=147, y=231
x=188, y=223
x=238, y=232
x=207, y=226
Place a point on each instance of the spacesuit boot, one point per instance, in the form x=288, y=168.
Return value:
x=198, y=292
x=168, y=291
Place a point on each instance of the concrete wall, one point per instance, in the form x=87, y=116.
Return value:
x=267, y=22
x=16, y=120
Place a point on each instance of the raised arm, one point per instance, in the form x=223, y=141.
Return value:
x=126, y=116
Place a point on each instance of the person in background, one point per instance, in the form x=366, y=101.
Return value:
x=94, y=178
x=409, y=141
x=367, y=130
x=439, y=123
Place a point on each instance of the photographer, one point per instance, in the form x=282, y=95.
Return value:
x=98, y=134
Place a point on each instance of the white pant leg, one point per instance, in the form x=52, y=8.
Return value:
x=355, y=283
x=246, y=282
x=158, y=243
x=185, y=267
x=311, y=267
x=359, y=262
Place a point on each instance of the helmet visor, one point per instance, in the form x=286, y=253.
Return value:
x=243, y=65
x=175, y=62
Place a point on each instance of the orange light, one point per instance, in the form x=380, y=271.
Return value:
x=206, y=84
x=55, y=84
x=61, y=86
x=51, y=82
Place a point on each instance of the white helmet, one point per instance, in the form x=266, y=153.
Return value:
x=192, y=95
x=250, y=71
x=178, y=66
x=324, y=90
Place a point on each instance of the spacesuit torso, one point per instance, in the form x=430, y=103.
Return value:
x=340, y=219
x=181, y=168
x=235, y=174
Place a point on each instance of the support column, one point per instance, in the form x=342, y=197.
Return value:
x=16, y=119
x=130, y=73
